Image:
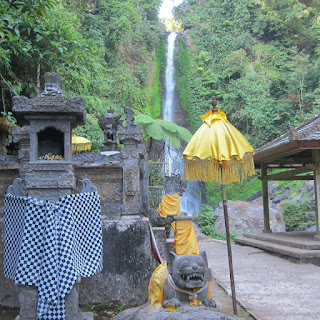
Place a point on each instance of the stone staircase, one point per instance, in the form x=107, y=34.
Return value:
x=301, y=247
x=165, y=245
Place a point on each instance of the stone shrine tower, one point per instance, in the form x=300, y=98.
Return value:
x=45, y=157
x=45, y=139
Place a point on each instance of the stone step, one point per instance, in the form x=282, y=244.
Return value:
x=169, y=246
x=292, y=253
x=160, y=236
x=302, y=240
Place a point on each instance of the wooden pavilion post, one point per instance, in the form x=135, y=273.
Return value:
x=316, y=162
x=265, y=197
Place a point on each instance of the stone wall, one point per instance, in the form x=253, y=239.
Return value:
x=9, y=170
x=109, y=184
x=128, y=259
x=128, y=264
x=127, y=253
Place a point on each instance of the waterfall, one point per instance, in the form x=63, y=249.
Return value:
x=189, y=202
x=169, y=105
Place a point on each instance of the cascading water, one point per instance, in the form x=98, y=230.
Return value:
x=189, y=202
x=169, y=106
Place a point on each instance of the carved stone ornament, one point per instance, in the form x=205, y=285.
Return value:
x=129, y=117
x=16, y=188
x=109, y=124
x=130, y=181
x=131, y=134
x=174, y=184
x=52, y=83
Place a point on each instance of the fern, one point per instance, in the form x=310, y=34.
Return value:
x=159, y=129
x=155, y=131
x=143, y=119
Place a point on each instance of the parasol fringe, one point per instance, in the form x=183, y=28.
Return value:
x=209, y=169
x=84, y=147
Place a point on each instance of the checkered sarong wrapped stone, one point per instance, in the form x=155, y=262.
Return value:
x=50, y=245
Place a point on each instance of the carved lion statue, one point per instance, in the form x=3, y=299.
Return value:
x=187, y=281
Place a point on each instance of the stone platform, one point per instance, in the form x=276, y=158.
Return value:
x=301, y=247
x=85, y=316
x=185, y=312
x=267, y=286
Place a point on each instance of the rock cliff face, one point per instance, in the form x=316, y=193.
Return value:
x=246, y=217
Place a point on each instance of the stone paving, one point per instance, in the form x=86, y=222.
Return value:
x=267, y=286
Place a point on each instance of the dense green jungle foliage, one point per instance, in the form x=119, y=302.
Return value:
x=111, y=52
x=260, y=59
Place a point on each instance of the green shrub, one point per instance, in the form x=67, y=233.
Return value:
x=294, y=215
x=235, y=191
x=205, y=219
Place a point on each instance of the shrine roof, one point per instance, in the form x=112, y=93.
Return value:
x=294, y=146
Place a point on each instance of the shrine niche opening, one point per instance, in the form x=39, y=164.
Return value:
x=50, y=141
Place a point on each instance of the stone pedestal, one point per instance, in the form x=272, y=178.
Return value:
x=28, y=298
x=128, y=264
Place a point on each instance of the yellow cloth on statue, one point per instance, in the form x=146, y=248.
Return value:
x=218, y=144
x=169, y=205
x=156, y=284
x=185, y=239
x=194, y=302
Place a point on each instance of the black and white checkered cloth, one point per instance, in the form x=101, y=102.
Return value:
x=50, y=245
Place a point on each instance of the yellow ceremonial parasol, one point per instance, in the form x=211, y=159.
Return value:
x=218, y=151
x=80, y=143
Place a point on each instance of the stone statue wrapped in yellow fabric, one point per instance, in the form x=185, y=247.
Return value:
x=185, y=279
x=169, y=205
x=174, y=186
x=156, y=285
x=185, y=239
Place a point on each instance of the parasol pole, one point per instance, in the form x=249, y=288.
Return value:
x=226, y=222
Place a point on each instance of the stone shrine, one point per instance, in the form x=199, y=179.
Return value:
x=46, y=126
x=121, y=176
x=45, y=158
